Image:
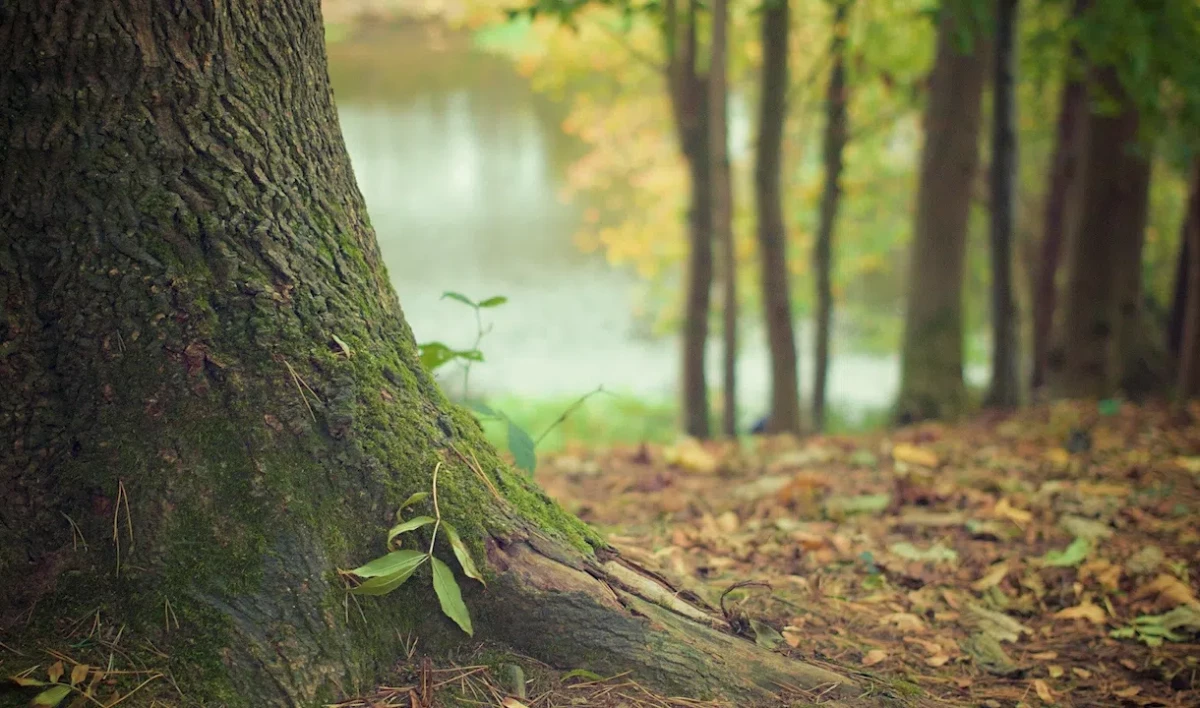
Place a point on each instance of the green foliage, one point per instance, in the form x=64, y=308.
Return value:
x=386, y=573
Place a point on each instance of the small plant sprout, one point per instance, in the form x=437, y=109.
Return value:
x=388, y=572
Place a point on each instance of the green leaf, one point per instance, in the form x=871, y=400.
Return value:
x=394, y=562
x=522, y=447
x=52, y=696
x=1109, y=407
x=495, y=301
x=384, y=584
x=461, y=553
x=416, y=498
x=460, y=297
x=435, y=354
x=450, y=596
x=482, y=409
x=1073, y=555
x=411, y=525
x=581, y=674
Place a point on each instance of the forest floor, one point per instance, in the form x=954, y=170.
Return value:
x=1051, y=558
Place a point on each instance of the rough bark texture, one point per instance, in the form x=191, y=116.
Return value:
x=200, y=350
x=784, y=415
x=1188, y=385
x=722, y=211
x=1005, y=387
x=1060, y=196
x=689, y=101
x=836, y=135
x=1106, y=252
x=931, y=383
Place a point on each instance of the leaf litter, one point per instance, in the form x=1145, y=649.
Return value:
x=1046, y=558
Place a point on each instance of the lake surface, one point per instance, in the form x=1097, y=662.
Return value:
x=461, y=165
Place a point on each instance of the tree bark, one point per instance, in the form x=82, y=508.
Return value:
x=1188, y=385
x=836, y=135
x=689, y=106
x=1107, y=252
x=722, y=210
x=1005, y=386
x=201, y=352
x=931, y=383
x=1062, y=194
x=784, y=414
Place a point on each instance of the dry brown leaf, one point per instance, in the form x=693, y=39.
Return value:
x=793, y=639
x=728, y=522
x=511, y=702
x=873, y=657
x=1044, y=655
x=937, y=660
x=1081, y=673
x=1085, y=611
x=1128, y=692
x=1043, y=691
x=55, y=671
x=914, y=455
x=78, y=673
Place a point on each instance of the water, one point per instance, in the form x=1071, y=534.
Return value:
x=461, y=164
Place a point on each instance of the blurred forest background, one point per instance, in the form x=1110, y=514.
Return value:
x=554, y=158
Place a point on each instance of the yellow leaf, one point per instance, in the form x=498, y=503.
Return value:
x=914, y=455
x=1006, y=511
x=1081, y=673
x=1085, y=611
x=1045, y=655
x=1168, y=590
x=511, y=702
x=1129, y=692
x=55, y=671
x=1043, y=691
x=937, y=660
x=1055, y=671
x=992, y=578
x=873, y=657
x=79, y=673
x=1058, y=457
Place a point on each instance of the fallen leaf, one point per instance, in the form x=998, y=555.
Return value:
x=1006, y=511
x=904, y=621
x=1044, y=655
x=1128, y=692
x=873, y=657
x=1055, y=671
x=511, y=702
x=1072, y=555
x=938, y=660
x=1168, y=592
x=78, y=673
x=992, y=578
x=913, y=455
x=1081, y=673
x=55, y=671
x=1043, y=691
x=1084, y=611
x=936, y=553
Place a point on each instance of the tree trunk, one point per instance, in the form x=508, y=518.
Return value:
x=1062, y=193
x=931, y=383
x=784, y=414
x=836, y=132
x=1106, y=252
x=689, y=106
x=722, y=210
x=1189, y=346
x=210, y=400
x=1005, y=387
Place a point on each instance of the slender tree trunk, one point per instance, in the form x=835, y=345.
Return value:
x=689, y=105
x=1189, y=347
x=1062, y=193
x=1099, y=322
x=931, y=383
x=784, y=415
x=722, y=209
x=1179, y=296
x=836, y=132
x=210, y=400
x=1005, y=387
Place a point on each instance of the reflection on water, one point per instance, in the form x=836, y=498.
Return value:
x=460, y=164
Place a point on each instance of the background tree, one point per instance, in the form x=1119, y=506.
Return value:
x=1005, y=388
x=931, y=383
x=722, y=209
x=834, y=144
x=1060, y=203
x=201, y=349
x=784, y=413
x=1188, y=385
